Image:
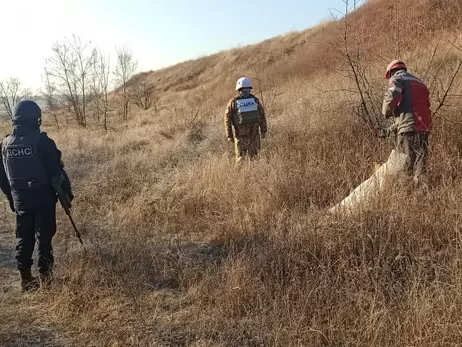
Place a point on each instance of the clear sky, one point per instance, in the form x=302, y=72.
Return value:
x=159, y=32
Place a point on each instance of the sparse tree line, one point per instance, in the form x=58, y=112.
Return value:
x=11, y=92
x=80, y=85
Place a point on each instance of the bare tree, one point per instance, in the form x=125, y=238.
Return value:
x=442, y=74
x=51, y=99
x=143, y=95
x=445, y=94
x=69, y=71
x=125, y=70
x=11, y=93
x=100, y=88
x=350, y=49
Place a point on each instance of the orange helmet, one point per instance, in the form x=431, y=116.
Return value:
x=395, y=64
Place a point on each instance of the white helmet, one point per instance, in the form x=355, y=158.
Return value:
x=243, y=82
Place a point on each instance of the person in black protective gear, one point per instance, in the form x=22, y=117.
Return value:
x=30, y=161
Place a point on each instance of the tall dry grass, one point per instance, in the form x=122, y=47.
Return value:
x=186, y=250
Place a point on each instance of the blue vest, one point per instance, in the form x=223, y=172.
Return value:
x=23, y=167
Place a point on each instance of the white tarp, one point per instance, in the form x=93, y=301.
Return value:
x=372, y=186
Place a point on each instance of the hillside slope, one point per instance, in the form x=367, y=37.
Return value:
x=184, y=250
x=382, y=30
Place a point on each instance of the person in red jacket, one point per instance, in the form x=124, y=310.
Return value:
x=407, y=99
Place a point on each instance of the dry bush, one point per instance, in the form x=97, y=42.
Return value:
x=143, y=95
x=11, y=92
x=207, y=254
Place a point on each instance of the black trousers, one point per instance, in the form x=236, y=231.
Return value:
x=40, y=225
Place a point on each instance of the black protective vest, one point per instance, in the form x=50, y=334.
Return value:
x=23, y=167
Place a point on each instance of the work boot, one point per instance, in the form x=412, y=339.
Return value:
x=28, y=282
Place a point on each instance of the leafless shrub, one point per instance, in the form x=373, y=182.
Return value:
x=51, y=97
x=349, y=47
x=100, y=85
x=68, y=72
x=188, y=115
x=125, y=70
x=11, y=93
x=143, y=95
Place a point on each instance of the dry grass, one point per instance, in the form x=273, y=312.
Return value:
x=184, y=250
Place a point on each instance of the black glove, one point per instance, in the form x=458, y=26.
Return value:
x=11, y=202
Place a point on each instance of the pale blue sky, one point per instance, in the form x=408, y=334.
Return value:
x=159, y=32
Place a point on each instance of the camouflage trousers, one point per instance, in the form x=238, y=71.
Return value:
x=415, y=145
x=246, y=146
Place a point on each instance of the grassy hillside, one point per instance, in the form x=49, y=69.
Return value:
x=184, y=250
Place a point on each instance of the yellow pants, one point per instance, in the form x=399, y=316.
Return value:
x=246, y=146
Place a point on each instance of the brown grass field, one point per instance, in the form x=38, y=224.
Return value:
x=185, y=250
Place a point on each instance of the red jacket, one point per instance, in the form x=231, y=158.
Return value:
x=408, y=100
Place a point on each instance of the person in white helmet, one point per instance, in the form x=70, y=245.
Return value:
x=246, y=115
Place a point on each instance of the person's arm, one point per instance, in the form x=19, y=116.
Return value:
x=228, y=120
x=393, y=97
x=4, y=182
x=50, y=156
x=263, y=123
x=66, y=185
